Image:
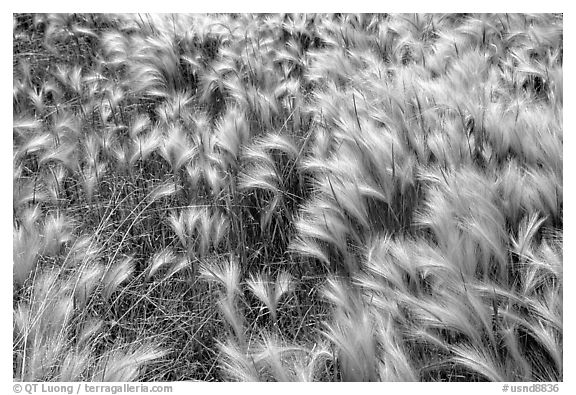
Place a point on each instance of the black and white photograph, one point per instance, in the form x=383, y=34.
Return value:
x=287, y=197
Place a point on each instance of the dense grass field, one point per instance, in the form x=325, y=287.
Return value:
x=287, y=197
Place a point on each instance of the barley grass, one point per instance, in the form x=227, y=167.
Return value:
x=287, y=197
